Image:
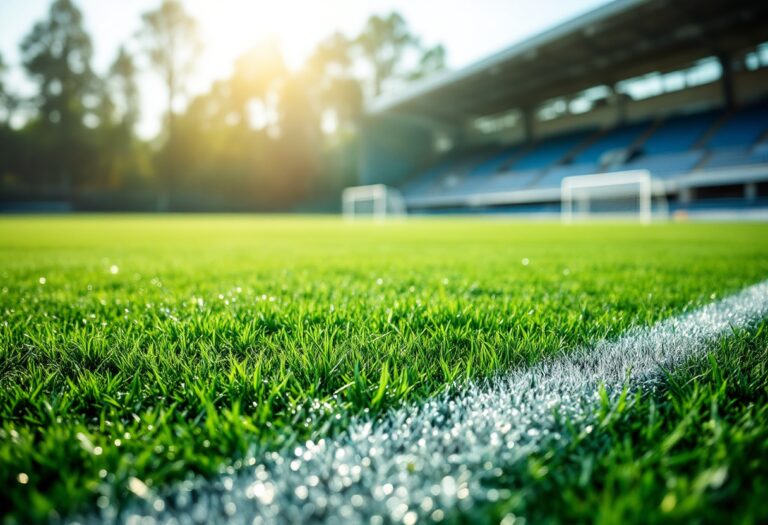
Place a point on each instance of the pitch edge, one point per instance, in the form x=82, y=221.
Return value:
x=421, y=462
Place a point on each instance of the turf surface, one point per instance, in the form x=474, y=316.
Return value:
x=154, y=347
x=695, y=451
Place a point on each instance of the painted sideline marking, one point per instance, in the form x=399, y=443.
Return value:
x=422, y=461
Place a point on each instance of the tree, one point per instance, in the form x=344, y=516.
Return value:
x=119, y=152
x=383, y=44
x=57, y=56
x=3, y=68
x=5, y=113
x=297, y=146
x=331, y=70
x=125, y=90
x=333, y=56
x=10, y=102
x=256, y=74
x=432, y=60
x=171, y=42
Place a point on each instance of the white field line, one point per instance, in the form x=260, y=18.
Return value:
x=423, y=461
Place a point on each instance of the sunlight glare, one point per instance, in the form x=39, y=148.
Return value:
x=231, y=27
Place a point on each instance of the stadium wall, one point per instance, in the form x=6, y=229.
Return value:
x=393, y=148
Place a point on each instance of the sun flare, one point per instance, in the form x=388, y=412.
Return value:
x=231, y=27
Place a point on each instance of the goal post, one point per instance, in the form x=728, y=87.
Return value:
x=376, y=200
x=624, y=193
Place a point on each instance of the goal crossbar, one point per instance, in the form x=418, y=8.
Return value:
x=385, y=201
x=610, y=185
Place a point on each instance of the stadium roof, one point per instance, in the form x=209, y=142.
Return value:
x=620, y=40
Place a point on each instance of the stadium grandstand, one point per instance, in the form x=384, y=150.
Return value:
x=675, y=87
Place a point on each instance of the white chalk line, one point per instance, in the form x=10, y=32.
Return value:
x=422, y=462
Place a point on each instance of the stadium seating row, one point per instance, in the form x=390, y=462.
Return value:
x=669, y=148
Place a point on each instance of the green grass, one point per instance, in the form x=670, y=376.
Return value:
x=694, y=452
x=218, y=337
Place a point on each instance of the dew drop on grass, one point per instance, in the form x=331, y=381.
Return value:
x=509, y=519
x=301, y=492
x=138, y=487
x=228, y=483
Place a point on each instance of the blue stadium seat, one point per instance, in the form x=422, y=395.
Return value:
x=555, y=176
x=550, y=151
x=423, y=183
x=511, y=181
x=618, y=138
x=435, y=181
x=733, y=156
x=665, y=165
x=679, y=133
x=496, y=162
x=668, y=152
x=759, y=153
x=743, y=128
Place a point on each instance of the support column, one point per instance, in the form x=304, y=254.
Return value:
x=750, y=191
x=620, y=104
x=528, y=123
x=726, y=81
x=685, y=196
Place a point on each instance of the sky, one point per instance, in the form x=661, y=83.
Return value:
x=469, y=29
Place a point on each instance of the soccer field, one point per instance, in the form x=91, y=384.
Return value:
x=137, y=352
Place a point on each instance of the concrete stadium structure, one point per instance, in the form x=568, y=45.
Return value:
x=675, y=87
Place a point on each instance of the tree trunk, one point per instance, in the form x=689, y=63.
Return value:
x=169, y=175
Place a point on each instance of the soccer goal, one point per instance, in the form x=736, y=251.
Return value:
x=625, y=194
x=377, y=200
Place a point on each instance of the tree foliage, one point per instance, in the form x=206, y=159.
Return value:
x=172, y=44
x=10, y=102
x=57, y=56
x=124, y=87
x=256, y=73
x=3, y=69
x=383, y=43
x=265, y=137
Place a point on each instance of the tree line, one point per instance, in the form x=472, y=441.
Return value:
x=265, y=138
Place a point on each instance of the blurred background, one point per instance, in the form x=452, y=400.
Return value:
x=238, y=105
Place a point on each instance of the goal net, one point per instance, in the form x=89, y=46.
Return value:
x=377, y=201
x=626, y=194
